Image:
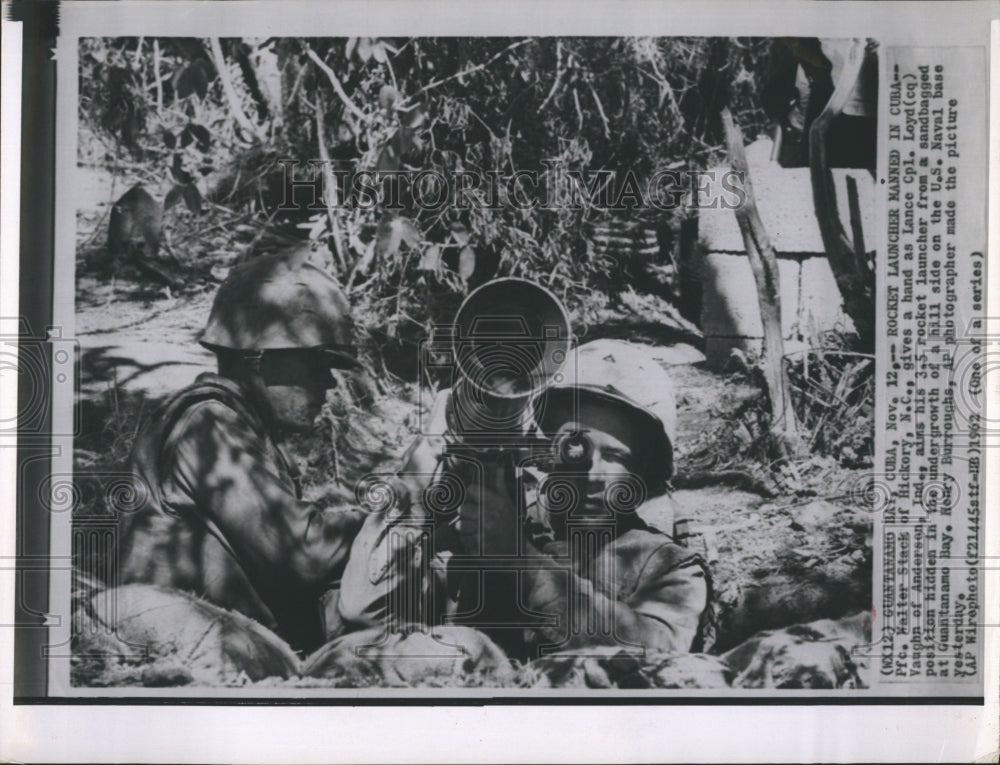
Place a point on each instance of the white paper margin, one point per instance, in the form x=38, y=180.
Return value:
x=498, y=733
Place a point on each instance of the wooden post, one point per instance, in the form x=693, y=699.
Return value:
x=764, y=265
x=855, y=279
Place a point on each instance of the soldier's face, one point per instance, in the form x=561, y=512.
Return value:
x=295, y=407
x=615, y=440
x=295, y=383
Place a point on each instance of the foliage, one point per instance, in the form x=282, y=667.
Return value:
x=453, y=106
x=833, y=390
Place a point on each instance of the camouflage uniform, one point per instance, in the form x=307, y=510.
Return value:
x=654, y=592
x=225, y=519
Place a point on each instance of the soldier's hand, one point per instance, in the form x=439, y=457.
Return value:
x=423, y=454
x=488, y=522
x=420, y=462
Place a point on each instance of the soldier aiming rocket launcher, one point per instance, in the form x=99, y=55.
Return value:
x=510, y=340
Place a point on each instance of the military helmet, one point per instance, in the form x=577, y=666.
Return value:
x=626, y=376
x=281, y=301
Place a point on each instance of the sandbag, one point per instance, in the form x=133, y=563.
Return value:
x=613, y=667
x=814, y=655
x=156, y=636
x=445, y=655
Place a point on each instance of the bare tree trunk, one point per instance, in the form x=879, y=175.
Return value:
x=855, y=278
x=764, y=265
x=156, y=76
x=230, y=91
x=330, y=190
x=139, y=64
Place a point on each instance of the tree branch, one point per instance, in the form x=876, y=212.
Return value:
x=764, y=265
x=600, y=110
x=329, y=187
x=470, y=70
x=231, y=95
x=855, y=279
x=559, y=74
x=337, y=87
x=156, y=75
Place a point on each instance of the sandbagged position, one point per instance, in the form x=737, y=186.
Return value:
x=159, y=636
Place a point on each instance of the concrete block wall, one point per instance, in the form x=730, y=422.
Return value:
x=811, y=301
x=820, y=303
x=730, y=312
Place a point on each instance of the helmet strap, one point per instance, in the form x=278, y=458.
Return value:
x=253, y=360
x=257, y=395
x=250, y=379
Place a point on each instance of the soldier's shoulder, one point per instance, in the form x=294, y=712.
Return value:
x=645, y=538
x=659, y=512
x=207, y=388
x=210, y=401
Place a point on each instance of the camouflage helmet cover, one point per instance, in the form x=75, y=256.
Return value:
x=624, y=375
x=280, y=301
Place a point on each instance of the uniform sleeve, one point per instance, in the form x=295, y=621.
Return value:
x=662, y=613
x=222, y=465
x=670, y=599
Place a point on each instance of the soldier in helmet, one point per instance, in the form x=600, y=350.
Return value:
x=613, y=423
x=563, y=554
x=592, y=570
x=224, y=518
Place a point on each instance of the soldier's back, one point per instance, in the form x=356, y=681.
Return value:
x=170, y=540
